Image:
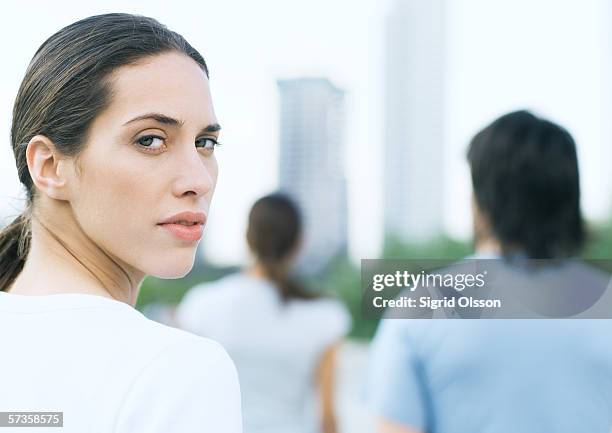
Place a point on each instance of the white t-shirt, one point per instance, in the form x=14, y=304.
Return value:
x=108, y=368
x=276, y=347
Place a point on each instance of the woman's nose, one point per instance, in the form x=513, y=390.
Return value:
x=195, y=174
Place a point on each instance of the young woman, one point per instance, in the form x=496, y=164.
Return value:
x=282, y=338
x=113, y=132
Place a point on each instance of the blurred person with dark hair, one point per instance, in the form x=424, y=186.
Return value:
x=505, y=375
x=526, y=193
x=282, y=338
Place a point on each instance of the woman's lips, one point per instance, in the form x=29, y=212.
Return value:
x=188, y=233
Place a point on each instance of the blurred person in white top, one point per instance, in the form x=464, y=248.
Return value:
x=113, y=133
x=282, y=338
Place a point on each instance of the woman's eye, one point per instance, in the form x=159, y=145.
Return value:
x=149, y=140
x=207, y=143
x=155, y=143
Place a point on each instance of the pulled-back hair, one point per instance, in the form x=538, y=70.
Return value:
x=525, y=178
x=65, y=88
x=273, y=234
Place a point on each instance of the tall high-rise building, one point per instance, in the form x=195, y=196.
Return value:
x=311, y=165
x=414, y=120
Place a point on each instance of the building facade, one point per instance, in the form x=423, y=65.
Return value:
x=312, y=169
x=414, y=120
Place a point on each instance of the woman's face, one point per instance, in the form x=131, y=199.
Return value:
x=133, y=174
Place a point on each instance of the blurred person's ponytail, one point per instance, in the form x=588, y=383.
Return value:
x=273, y=234
x=66, y=86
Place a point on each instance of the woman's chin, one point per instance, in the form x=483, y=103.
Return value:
x=172, y=272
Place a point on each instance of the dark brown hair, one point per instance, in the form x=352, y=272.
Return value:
x=526, y=181
x=65, y=87
x=273, y=234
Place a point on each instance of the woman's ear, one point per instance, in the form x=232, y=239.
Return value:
x=50, y=172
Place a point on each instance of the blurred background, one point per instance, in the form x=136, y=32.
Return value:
x=361, y=110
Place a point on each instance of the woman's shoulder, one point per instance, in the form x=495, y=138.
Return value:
x=324, y=315
x=189, y=375
x=185, y=349
x=147, y=338
x=228, y=291
x=161, y=335
x=323, y=305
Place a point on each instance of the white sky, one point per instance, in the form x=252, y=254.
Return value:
x=503, y=54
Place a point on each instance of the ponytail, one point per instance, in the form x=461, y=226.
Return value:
x=273, y=235
x=14, y=248
x=288, y=287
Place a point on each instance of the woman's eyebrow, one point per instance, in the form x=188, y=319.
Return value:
x=212, y=128
x=167, y=120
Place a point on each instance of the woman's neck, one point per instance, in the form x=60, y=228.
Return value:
x=62, y=259
x=256, y=270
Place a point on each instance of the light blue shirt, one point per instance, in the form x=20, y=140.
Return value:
x=493, y=376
